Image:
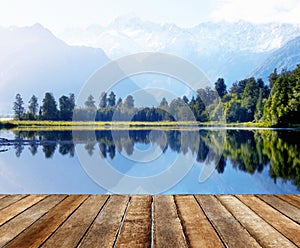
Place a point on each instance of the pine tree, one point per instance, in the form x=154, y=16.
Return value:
x=49, y=107
x=111, y=99
x=18, y=107
x=220, y=87
x=90, y=102
x=33, y=105
x=66, y=106
x=103, y=100
x=129, y=102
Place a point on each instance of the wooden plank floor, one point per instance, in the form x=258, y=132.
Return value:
x=149, y=221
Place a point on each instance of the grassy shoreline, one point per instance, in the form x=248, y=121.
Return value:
x=57, y=125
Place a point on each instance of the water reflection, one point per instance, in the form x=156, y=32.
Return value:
x=247, y=151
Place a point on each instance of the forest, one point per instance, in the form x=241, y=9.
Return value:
x=249, y=100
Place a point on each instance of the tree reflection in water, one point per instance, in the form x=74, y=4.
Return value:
x=248, y=151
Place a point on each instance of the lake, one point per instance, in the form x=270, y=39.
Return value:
x=204, y=160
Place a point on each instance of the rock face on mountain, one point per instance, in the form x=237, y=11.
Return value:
x=34, y=61
x=285, y=58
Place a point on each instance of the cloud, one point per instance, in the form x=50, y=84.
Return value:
x=258, y=11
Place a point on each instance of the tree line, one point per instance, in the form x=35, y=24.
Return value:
x=248, y=151
x=247, y=100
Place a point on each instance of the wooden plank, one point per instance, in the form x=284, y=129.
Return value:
x=292, y=199
x=198, y=230
x=18, y=224
x=136, y=228
x=10, y=199
x=37, y=233
x=105, y=227
x=73, y=229
x=282, y=206
x=230, y=230
x=168, y=231
x=2, y=196
x=286, y=226
x=18, y=207
x=264, y=233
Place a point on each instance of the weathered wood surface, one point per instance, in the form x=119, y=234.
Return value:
x=149, y=221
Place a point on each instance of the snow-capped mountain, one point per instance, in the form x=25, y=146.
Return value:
x=228, y=50
x=286, y=57
x=34, y=61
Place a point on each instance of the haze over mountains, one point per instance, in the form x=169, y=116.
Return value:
x=221, y=49
x=33, y=60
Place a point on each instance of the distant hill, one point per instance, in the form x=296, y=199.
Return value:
x=33, y=61
x=287, y=57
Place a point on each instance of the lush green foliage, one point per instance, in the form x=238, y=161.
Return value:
x=283, y=106
x=248, y=100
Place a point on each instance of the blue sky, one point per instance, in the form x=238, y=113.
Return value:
x=58, y=15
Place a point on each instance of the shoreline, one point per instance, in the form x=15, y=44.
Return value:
x=105, y=125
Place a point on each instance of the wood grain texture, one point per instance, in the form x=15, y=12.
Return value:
x=10, y=199
x=231, y=231
x=282, y=206
x=292, y=199
x=145, y=220
x=36, y=234
x=18, y=224
x=167, y=231
x=265, y=234
x=198, y=230
x=73, y=229
x=105, y=227
x=284, y=225
x=19, y=206
x=136, y=229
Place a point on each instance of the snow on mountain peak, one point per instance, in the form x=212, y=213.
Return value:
x=206, y=37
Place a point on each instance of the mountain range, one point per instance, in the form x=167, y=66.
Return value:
x=284, y=58
x=33, y=60
x=220, y=49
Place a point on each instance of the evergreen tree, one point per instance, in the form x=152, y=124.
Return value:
x=119, y=102
x=66, y=106
x=207, y=95
x=33, y=105
x=129, y=102
x=238, y=88
x=90, y=102
x=111, y=99
x=283, y=104
x=272, y=78
x=185, y=99
x=18, y=107
x=220, y=87
x=103, y=100
x=49, y=107
x=259, y=106
x=163, y=103
x=249, y=98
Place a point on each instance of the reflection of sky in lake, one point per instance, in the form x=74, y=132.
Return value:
x=35, y=174
x=64, y=174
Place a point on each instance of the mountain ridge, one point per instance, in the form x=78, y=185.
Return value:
x=219, y=49
x=285, y=58
x=41, y=62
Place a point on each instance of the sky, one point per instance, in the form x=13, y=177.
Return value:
x=58, y=15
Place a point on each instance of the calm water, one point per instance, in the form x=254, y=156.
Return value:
x=150, y=161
